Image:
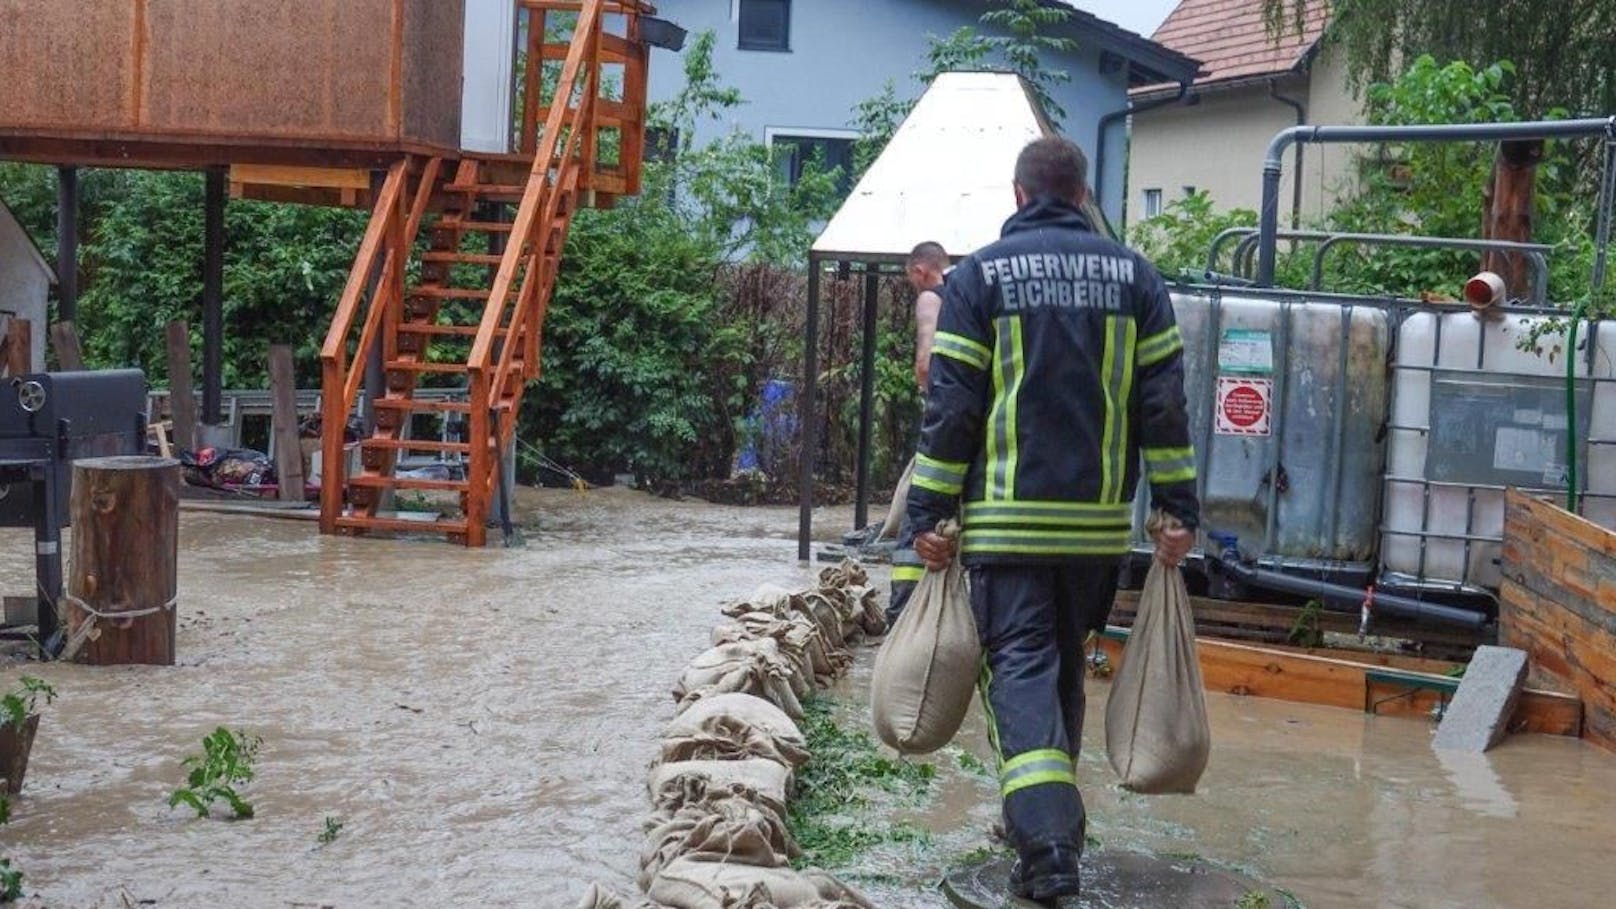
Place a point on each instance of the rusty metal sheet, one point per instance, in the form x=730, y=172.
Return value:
x=66, y=65
x=432, y=71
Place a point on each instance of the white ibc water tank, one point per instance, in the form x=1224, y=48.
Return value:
x=1474, y=413
x=1287, y=399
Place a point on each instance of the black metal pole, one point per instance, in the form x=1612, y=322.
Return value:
x=872, y=300
x=67, y=244
x=213, y=300
x=47, y=558
x=808, y=413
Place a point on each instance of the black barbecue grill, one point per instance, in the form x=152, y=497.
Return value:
x=47, y=421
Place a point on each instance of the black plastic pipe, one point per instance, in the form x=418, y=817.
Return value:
x=1268, y=222
x=1232, y=565
x=1110, y=119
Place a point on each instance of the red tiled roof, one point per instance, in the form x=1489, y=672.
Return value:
x=1231, y=39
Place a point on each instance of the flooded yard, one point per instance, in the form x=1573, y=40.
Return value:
x=480, y=722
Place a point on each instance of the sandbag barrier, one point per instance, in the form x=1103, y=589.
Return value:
x=724, y=774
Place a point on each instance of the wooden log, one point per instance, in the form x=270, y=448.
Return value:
x=19, y=346
x=69, y=353
x=283, y=422
x=125, y=546
x=1510, y=211
x=181, y=395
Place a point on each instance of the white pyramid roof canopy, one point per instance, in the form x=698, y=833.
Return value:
x=946, y=174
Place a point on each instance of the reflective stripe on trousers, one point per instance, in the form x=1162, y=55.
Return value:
x=1033, y=620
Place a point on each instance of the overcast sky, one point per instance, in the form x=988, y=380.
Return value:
x=1140, y=16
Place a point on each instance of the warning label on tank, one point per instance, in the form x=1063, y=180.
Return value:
x=1245, y=406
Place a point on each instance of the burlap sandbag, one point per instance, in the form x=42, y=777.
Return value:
x=791, y=630
x=673, y=786
x=750, y=667
x=729, y=829
x=900, y=502
x=1156, y=730
x=690, y=883
x=926, y=671
x=749, y=709
x=725, y=738
x=792, y=637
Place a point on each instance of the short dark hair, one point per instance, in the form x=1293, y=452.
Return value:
x=1052, y=166
x=928, y=253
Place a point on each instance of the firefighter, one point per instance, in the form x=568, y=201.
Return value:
x=1057, y=365
x=925, y=269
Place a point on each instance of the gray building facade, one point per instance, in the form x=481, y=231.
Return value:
x=802, y=66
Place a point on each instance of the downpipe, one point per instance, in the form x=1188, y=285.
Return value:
x=1228, y=573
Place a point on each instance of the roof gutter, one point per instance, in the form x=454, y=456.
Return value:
x=1110, y=119
x=1268, y=224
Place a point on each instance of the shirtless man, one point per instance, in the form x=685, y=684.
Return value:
x=927, y=265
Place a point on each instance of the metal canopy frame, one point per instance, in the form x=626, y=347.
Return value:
x=872, y=266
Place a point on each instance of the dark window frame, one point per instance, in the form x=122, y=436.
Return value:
x=798, y=148
x=783, y=46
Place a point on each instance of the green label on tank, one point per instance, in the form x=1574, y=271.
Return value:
x=1246, y=351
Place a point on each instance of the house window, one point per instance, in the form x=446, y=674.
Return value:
x=765, y=25
x=1189, y=191
x=794, y=154
x=1153, y=205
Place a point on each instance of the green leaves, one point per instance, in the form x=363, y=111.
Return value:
x=22, y=701
x=226, y=762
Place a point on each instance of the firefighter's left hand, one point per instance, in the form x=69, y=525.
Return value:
x=936, y=550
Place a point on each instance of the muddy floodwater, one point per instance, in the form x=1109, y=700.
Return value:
x=480, y=722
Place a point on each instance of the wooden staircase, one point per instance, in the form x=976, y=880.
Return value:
x=472, y=317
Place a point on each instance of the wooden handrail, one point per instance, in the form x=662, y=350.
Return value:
x=527, y=213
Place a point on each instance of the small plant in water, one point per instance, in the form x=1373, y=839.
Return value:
x=10, y=882
x=226, y=762
x=333, y=827
x=22, y=701
x=1253, y=899
x=1306, y=630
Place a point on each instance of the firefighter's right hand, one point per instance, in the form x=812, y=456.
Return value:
x=934, y=549
x=1173, y=543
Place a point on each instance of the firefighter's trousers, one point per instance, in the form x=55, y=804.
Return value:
x=1033, y=621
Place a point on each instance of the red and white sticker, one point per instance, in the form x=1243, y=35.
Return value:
x=1245, y=407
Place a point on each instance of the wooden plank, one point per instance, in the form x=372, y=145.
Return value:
x=284, y=424
x=181, y=395
x=69, y=353
x=305, y=177
x=19, y=346
x=1340, y=679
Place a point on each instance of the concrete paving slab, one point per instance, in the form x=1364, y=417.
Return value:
x=1478, y=717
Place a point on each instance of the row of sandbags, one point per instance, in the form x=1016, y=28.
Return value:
x=717, y=835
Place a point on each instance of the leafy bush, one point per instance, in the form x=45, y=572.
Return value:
x=226, y=762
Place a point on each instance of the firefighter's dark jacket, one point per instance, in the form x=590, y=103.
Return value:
x=1057, y=364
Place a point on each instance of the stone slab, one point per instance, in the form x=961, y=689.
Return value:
x=1122, y=880
x=1479, y=716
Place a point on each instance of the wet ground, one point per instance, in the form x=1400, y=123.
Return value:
x=481, y=721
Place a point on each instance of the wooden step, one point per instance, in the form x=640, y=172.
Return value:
x=448, y=293
x=417, y=445
x=360, y=522
x=438, y=368
x=413, y=405
x=409, y=483
x=488, y=189
x=455, y=258
x=459, y=331
x=487, y=227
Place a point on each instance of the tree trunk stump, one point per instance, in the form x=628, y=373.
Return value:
x=125, y=514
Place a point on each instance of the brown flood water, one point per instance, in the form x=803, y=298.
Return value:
x=481, y=723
